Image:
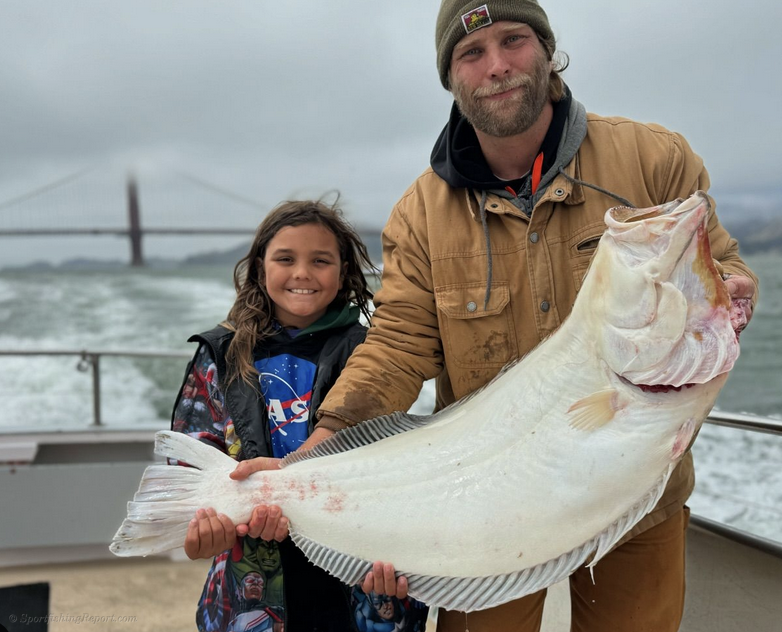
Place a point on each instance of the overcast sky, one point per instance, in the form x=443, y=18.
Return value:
x=273, y=100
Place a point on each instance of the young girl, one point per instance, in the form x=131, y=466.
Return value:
x=252, y=391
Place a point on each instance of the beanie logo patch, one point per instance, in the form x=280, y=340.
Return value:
x=477, y=18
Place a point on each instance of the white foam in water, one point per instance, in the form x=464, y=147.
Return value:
x=99, y=312
x=7, y=294
x=739, y=479
x=127, y=393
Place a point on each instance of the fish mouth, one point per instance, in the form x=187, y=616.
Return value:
x=664, y=233
x=670, y=326
x=661, y=388
x=656, y=388
x=679, y=206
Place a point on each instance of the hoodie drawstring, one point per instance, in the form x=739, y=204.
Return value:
x=485, y=225
x=597, y=188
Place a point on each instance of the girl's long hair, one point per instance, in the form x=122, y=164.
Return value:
x=251, y=317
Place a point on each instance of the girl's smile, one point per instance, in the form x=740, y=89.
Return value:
x=303, y=273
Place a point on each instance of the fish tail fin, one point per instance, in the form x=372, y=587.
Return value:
x=169, y=496
x=184, y=448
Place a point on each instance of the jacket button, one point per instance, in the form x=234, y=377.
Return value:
x=471, y=306
x=544, y=306
x=534, y=238
x=559, y=192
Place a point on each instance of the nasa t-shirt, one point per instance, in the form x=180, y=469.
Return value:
x=286, y=383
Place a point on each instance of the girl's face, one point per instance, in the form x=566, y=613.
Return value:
x=303, y=273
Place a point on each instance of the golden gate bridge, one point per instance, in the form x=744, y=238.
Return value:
x=91, y=202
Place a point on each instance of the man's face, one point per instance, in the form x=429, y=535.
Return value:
x=499, y=78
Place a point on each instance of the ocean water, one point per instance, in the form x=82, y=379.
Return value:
x=739, y=474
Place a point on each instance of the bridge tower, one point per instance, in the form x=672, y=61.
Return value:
x=134, y=224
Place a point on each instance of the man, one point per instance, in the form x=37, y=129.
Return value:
x=483, y=257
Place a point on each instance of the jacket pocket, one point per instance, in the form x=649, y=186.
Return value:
x=473, y=336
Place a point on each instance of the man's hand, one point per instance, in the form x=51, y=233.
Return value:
x=741, y=290
x=251, y=466
x=382, y=581
x=209, y=534
x=266, y=521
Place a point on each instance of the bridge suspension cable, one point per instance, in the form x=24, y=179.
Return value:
x=46, y=188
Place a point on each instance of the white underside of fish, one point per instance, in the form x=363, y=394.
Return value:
x=498, y=496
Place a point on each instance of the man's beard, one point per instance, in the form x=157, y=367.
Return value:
x=510, y=116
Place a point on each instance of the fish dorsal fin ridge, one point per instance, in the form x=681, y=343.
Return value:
x=361, y=434
x=467, y=594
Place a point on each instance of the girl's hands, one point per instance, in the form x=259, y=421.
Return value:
x=209, y=534
x=382, y=581
x=267, y=523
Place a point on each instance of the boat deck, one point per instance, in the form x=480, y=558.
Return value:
x=139, y=595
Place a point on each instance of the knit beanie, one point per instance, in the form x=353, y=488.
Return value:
x=458, y=18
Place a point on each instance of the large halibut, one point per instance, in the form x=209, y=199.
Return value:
x=514, y=487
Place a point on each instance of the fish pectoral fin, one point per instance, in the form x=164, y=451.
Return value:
x=595, y=411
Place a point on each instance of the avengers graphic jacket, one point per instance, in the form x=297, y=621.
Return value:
x=260, y=585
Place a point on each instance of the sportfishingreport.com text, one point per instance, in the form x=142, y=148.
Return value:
x=26, y=619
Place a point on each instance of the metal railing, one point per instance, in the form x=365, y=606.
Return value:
x=772, y=547
x=90, y=360
x=745, y=422
x=750, y=423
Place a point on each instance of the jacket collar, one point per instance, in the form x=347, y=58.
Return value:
x=499, y=204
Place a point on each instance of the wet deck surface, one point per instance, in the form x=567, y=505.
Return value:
x=143, y=595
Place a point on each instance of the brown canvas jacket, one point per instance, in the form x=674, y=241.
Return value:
x=430, y=319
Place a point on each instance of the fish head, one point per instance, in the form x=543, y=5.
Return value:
x=657, y=298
